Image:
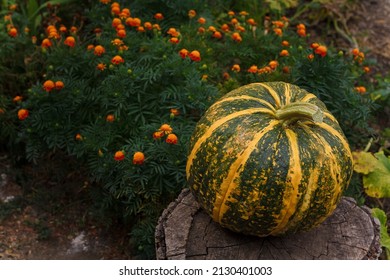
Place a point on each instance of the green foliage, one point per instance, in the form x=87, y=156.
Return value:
x=385, y=238
x=122, y=107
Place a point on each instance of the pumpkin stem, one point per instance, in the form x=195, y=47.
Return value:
x=300, y=111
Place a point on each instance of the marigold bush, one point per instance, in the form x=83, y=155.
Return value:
x=123, y=93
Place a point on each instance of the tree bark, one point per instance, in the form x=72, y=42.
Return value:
x=185, y=231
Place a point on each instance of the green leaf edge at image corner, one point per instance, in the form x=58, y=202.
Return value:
x=384, y=238
x=375, y=169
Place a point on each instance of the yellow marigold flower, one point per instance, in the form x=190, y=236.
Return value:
x=119, y=155
x=138, y=158
x=48, y=85
x=99, y=50
x=101, y=66
x=70, y=41
x=171, y=139
x=23, y=114
x=191, y=13
x=59, y=85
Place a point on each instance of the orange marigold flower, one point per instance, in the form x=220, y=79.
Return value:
x=115, y=10
x=201, y=30
x=225, y=76
x=121, y=33
x=284, y=53
x=301, y=32
x=314, y=45
x=140, y=29
x=194, y=55
x=285, y=43
x=70, y=41
x=117, y=60
x=156, y=26
x=171, y=139
x=99, y=50
x=148, y=25
x=201, y=20
x=251, y=21
x=105, y=1
x=59, y=85
x=244, y=13
x=355, y=51
x=166, y=128
x=234, y=21
x=63, y=29
x=116, y=22
x=134, y=22
x=48, y=85
x=73, y=29
x=321, y=50
x=174, y=40
x=278, y=31
x=361, y=89
x=191, y=13
x=236, y=37
x=236, y=68
x=101, y=66
x=286, y=69
x=310, y=56
x=17, y=98
x=46, y=43
x=183, y=53
x=173, y=32
x=110, y=118
x=212, y=28
x=78, y=137
x=253, y=69
x=23, y=114
x=225, y=27
x=278, y=23
x=366, y=69
x=273, y=64
x=175, y=112
x=231, y=13
x=13, y=32
x=119, y=155
x=138, y=158
x=117, y=42
x=217, y=35
x=158, y=134
x=159, y=16
x=90, y=47
x=125, y=13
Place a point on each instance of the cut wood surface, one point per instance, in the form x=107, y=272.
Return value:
x=185, y=231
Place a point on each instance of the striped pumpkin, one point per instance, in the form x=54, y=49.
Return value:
x=268, y=159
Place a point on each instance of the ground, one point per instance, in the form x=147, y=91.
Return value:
x=64, y=229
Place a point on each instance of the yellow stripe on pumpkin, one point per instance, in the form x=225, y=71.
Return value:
x=244, y=97
x=230, y=183
x=214, y=126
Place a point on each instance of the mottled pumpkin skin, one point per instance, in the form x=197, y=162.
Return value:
x=258, y=175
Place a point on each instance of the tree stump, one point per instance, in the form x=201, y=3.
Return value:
x=185, y=231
